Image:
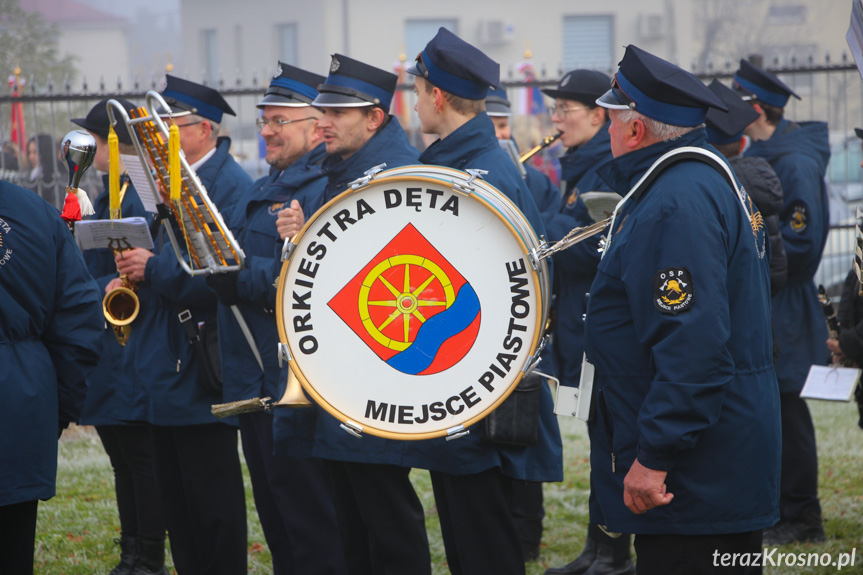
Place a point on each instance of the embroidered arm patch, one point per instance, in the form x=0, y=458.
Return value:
x=673, y=291
x=799, y=217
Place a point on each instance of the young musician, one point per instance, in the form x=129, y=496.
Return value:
x=470, y=474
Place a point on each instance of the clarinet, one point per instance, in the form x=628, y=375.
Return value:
x=829, y=312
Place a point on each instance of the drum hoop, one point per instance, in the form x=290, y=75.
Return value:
x=309, y=388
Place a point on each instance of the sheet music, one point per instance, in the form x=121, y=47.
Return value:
x=830, y=383
x=124, y=233
x=138, y=173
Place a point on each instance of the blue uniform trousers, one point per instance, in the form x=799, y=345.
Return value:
x=380, y=518
x=129, y=449
x=18, y=537
x=294, y=504
x=798, y=485
x=697, y=554
x=476, y=523
x=201, y=484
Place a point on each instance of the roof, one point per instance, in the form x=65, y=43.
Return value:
x=70, y=12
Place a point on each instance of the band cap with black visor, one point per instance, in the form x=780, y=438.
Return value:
x=659, y=90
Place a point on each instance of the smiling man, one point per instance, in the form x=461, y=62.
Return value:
x=291, y=489
x=380, y=516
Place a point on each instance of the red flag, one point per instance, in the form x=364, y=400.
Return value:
x=18, y=134
x=400, y=107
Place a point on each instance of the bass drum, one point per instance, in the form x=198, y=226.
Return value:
x=412, y=302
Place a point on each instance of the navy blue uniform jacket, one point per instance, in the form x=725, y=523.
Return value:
x=107, y=402
x=693, y=393
x=50, y=337
x=474, y=145
x=254, y=225
x=799, y=154
x=159, y=362
x=575, y=267
x=389, y=146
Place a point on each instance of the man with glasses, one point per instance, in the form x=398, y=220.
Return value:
x=197, y=466
x=291, y=491
x=381, y=519
x=583, y=126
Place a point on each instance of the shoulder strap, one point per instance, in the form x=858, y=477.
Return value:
x=680, y=155
x=664, y=162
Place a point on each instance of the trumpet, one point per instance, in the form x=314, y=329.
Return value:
x=546, y=142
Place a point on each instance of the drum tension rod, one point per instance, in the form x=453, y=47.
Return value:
x=354, y=429
x=456, y=432
x=284, y=354
x=467, y=188
x=368, y=177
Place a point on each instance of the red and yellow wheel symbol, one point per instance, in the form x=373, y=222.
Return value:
x=405, y=308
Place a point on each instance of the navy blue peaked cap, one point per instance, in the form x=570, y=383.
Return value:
x=659, y=90
x=352, y=84
x=754, y=83
x=192, y=98
x=727, y=127
x=583, y=86
x=496, y=103
x=291, y=87
x=859, y=132
x=456, y=67
x=98, y=122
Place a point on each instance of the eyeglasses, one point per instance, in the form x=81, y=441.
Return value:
x=276, y=125
x=562, y=111
x=189, y=124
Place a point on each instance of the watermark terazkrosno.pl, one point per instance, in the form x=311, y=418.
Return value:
x=772, y=557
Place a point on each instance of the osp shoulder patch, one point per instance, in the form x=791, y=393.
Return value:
x=799, y=217
x=673, y=291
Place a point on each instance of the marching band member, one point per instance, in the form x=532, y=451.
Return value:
x=380, y=516
x=292, y=490
x=527, y=498
x=196, y=461
x=799, y=153
x=51, y=328
x=545, y=195
x=109, y=407
x=678, y=329
x=470, y=475
x=584, y=133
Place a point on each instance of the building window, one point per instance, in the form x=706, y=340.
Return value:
x=786, y=14
x=286, y=41
x=419, y=32
x=588, y=42
x=211, y=56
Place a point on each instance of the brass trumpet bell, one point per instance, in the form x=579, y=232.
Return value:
x=293, y=396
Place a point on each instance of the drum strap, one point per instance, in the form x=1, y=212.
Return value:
x=584, y=394
x=668, y=160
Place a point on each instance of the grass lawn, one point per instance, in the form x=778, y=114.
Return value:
x=76, y=528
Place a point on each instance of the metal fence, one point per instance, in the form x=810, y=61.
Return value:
x=830, y=91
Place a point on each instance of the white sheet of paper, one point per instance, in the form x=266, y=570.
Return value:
x=137, y=173
x=854, y=36
x=124, y=233
x=830, y=383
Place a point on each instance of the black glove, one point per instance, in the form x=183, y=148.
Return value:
x=225, y=286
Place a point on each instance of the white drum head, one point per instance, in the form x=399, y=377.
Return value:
x=409, y=307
